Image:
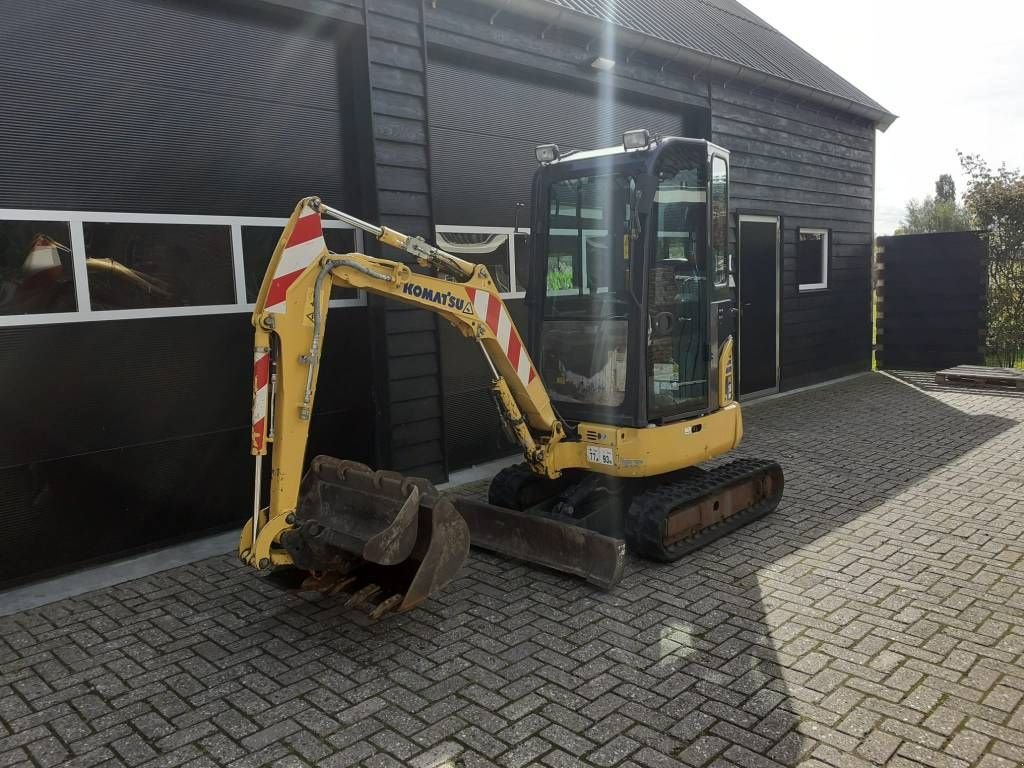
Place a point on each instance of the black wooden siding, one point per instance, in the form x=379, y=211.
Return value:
x=120, y=435
x=405, y=340
x=814, y=170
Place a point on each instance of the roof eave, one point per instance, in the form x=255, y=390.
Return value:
x=557, y=16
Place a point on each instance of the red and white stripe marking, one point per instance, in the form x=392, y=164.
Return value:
x=260, y=399
x=493, y=312
x=304, y=246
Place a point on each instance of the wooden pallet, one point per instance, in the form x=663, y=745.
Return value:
x=981, y=376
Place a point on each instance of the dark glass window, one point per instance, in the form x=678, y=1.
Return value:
x=140, y=266
x=522, y=244
x=720, y=219
x=587, y=302
x=36, y=274
x=677, y=287
x=812, y=259
x=485, y=248
x=258, y=244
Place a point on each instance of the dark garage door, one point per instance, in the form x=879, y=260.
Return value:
x=132, y=431
x=484, y=126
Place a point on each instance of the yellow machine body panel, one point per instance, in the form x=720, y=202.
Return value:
x=655, y=450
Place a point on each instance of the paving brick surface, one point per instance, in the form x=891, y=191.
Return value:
x=877, y=618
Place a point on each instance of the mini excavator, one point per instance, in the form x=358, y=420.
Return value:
x=624, y=384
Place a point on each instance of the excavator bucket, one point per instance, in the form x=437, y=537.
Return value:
x=386, y=540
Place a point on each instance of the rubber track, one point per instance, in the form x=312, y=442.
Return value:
x=512, y=483
x=507, y=484
x=646, y=516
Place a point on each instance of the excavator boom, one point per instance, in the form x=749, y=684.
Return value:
x=387, y=540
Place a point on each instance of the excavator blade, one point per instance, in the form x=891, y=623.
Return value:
x=545, y=541
x=385, y=540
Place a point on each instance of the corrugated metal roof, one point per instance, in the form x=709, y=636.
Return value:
x=725, y=30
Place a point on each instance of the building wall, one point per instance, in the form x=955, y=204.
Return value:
x=124, y=433
x=815, y=171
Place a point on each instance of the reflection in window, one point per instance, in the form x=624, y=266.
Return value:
x=584, y=361
x=720, y=219
x=522, y=258
x=258, y=244
x=36, y=274
x=489, y=249
x=677, y=288
x=140, y=266
x=585, y=255
x=812, y=259
x=584, y=340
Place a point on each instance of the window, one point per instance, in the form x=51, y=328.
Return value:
x=259, y=242
x=812, y=259
x=677, y=283
x=75, y=266
x=720, y=219
x=587, y=304
x=142, y=266
x=503, y=252
x=36, y=270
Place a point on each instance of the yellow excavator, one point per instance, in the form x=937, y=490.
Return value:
x=624, y=384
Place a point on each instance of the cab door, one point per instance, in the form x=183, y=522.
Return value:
x=723, y=309
x=677, y=296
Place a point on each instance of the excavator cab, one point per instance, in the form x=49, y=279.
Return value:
x=630, y=290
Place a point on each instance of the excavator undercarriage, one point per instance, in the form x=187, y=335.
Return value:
x=633, y=322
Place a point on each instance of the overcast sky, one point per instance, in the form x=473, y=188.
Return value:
x=953, y=72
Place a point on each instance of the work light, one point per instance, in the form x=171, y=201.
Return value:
x=639, y=139
x=547, y=153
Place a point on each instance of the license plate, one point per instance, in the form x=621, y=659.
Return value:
x=603, y=456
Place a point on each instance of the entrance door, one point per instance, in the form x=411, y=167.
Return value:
x=759, y=305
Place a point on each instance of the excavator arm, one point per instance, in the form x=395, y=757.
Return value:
x=290, y=322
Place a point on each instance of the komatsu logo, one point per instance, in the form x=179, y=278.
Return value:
x=441, y=298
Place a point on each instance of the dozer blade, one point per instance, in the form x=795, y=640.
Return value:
x=598, y=558
x=386, y=540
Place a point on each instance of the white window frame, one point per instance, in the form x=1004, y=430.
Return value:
x=84, y=313
x=509, y=232
x=825, y=246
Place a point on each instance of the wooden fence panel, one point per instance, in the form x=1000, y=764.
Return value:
x=930, y=300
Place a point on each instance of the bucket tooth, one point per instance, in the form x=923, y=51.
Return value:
x=342, y=585
x=365, y=594
x=386, y=607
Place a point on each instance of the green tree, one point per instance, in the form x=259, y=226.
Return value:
x=936, y=214
x=945, y=189
x=996, y=201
